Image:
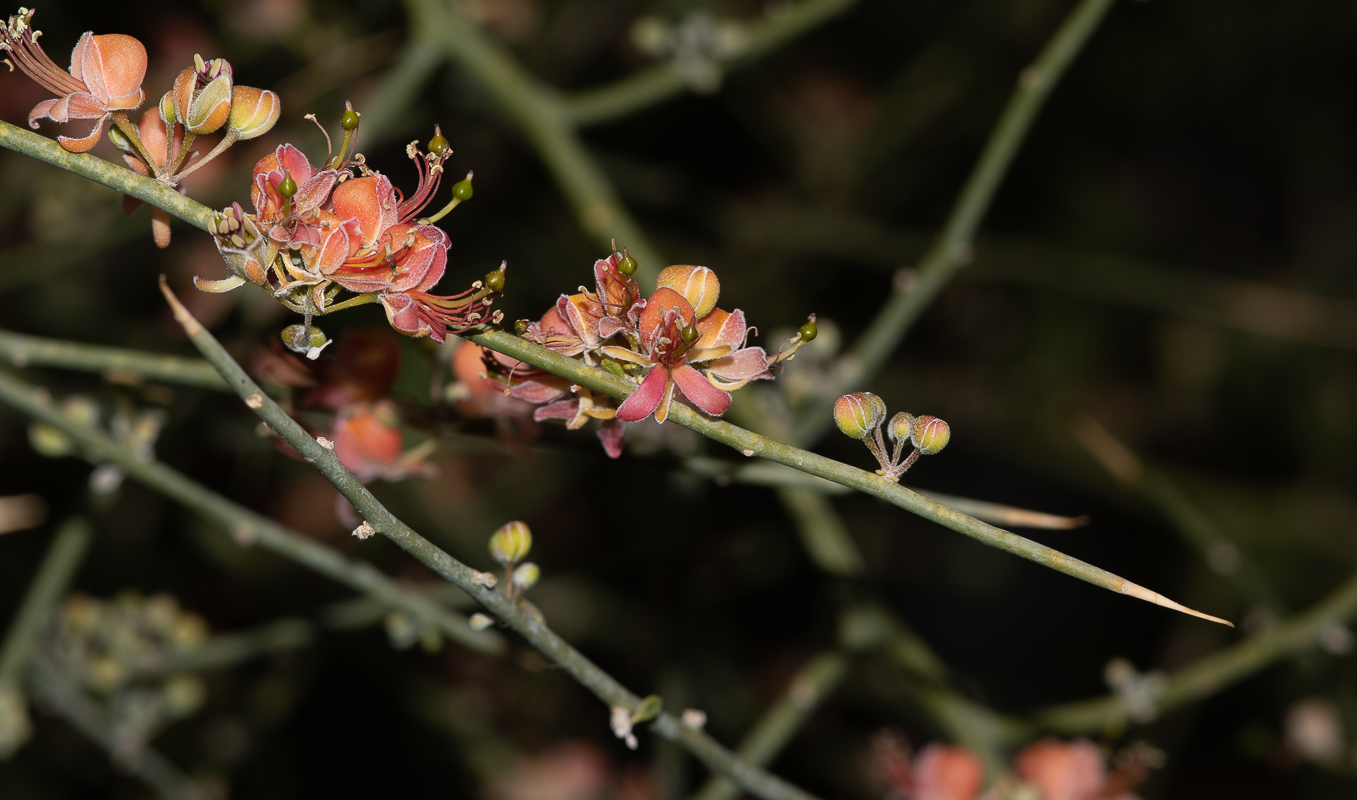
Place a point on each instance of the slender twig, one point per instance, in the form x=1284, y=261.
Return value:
x=763, y=473
x=1214, y=672
x=953, y=247
x=245, y=525
x=538, y=110
x=390, y=100
x=1221, y=555
x=779, y=723
x=70, y=701
x=34, y=351
x=58, y=567
x=752, y=444
x=663, y=81
x=109, y=174
x=376, y=515
x=1249, y=306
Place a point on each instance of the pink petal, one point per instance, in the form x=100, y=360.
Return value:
x=85, y=66
x=440, y=256
x=122, y=68
x=540, y=390
x=741, y=365
x=340, y=243
x=700, y=391
x=611, y=434
x=643, y=402
x=43, y=109
x=565, y=409
x=83, y=145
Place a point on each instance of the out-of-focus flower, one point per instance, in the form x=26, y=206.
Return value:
x=1074, y=770
x=938, y=772
x=105, y=77
x=571, y=771
x=1314, y=730
x=369, y=442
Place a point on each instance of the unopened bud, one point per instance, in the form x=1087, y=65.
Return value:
x=480, y=622
x=287, y=186
x=494, y=281
x=858, y=414
x=349, y=121
x=901, y=427
x=809, y=331
x=438, y=145
x=253, y=111
x=930, y=435
x=526, y=576
x=301, y=339
x=462, y=189
x=511, y=543
x=626, y=264
x=648, y=709
x=698, y=285
x=521, y=327
x=167, y=114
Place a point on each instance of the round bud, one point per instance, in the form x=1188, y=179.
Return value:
x=901, y=427
x=494, y=280
x=511, y=543
x=521, y=327
x=253, y=111
x=527, y=575
x=858, y=414
x=698, y=285
x=809, y=331
x=462, y=190
x=349, y=121
x=298, y=339
x=689, y=333
x=480, y=622
x=287, y=186
x=627, y=265
x=438, y=145
x=930, y=435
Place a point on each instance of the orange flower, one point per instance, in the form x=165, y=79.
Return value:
x=105, y=76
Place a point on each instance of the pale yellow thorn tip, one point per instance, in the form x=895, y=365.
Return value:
x=181, y=315
x=1158, y=599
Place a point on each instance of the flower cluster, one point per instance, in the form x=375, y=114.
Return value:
x=318, y=230
x=861, y=414
x=1050, y=769
x=673, y=342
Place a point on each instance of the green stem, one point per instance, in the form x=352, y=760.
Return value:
x=546, y=641
x=245, y=525
x=538, y=110
x=72, y=703
x=109, y=174
x=663, y=81
x=134, y=136
x=353, y=302
x=58, y=567
x=34, y=351
x=752, y=444
x=953, y=247
x=1214, y=672
x=779, y=723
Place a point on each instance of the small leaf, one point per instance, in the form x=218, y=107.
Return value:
x=648, y=709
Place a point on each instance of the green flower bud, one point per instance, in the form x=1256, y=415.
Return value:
x=349, y=121
x=526, y=576
x=521, y=326
x=298, y=339
x=930, y=435
x=901, y=427
x=859, y=413
x=511, y=543
x=462, y=189
x=480, y=622
x=809, y=331
x=167, y=114
x=648, y=709
x=438, y=145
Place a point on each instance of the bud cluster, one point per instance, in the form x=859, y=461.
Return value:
x=509, y=546
x=861, y=415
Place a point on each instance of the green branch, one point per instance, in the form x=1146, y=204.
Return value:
x=953, y=247
x=1213, y=673
x=33, y=351
x=752, y=444
x=245, y=525
x=322, y=456
x=58, y=567
x=779, y=723
x=109, y=174
x=663, y=81
x=538, y=111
